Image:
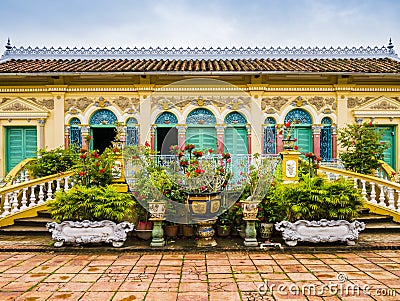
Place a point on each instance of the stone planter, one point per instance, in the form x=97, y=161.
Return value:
x=157, y=210
x=288, y=144
x=89, y=232
x=266, y=230
x=250, y=210
x=204, y=206
x=320, y=231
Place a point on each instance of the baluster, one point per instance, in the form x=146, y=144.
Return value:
x=24, y=198
x=41, y=194
x=14, y=203
x=32, y=199
x=49, y=191
x=66, y=184
x=381, y=196
x=364, y=190
x=22, y=176
x=328, y=175
x=373, y=193
x=58, y=187
x=26, y=175
x=6, y=206
x=391, y=198
x=398, y=200
x=355, y=183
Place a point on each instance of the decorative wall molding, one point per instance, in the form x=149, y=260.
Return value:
x=19, y=108
x=80, y=103
x=276, y=102
x=378, y=107
x=353, y=102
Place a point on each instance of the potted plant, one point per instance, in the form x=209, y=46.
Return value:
x=224, y=223
x=318, y=210
x=89, y=211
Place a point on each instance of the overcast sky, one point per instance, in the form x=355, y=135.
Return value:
x=201, y=23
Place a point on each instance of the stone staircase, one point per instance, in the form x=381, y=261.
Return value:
x=376, y=223
x=29, y=226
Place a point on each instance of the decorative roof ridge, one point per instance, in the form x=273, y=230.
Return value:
x=12, y=52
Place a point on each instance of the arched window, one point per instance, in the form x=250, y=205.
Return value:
x=235, y=137
x=166, y=132
x=270, y=136
x=132, y=132
x=102, y=129
x=201, y=129
x=326, y=139
x=302, y=128
x=75, y=135
x=103, y=117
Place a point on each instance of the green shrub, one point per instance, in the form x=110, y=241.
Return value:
x=91, y=203
x=50, y=162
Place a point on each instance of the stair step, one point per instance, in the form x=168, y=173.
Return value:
x=374, y=218
x=382, y=227
x=44, y=214
x=363, y=211
x=24, y=230
x=33, y=221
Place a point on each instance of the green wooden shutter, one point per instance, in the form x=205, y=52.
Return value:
x=21, y=144
x=390, y=137
x=304, y=139
x=202, y=137
x=236, y=140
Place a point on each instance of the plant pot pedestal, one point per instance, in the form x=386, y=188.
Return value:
x=250, y=239
x=157, y=212
x=206, y=232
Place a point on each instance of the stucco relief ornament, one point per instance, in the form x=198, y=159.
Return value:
x=17, y=107
x=101, y=102
x=276, y=102
x=200, y=101
x=165, y=104
x=235, y=104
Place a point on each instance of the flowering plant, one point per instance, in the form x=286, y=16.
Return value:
x=313, y=163
x=201, y=171
x=286, y=129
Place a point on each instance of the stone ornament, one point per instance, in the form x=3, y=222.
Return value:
x=89, y=232
x=320, y=231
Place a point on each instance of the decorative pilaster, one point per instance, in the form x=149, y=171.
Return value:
x=181, y=134
x=317, y=140
x=145, y=119
x=85, y=133
x=59, y=108
x=220, y=137
x=279, y=141
x=66, y=136
x=41, y=133
x=334, y=142
x=249, y=148
x=153, y=136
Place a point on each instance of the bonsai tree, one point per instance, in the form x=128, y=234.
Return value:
x=362, y=147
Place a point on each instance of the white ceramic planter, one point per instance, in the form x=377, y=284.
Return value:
x=320, y=231
x=89, y=232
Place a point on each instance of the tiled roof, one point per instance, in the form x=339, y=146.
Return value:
x=361, y=65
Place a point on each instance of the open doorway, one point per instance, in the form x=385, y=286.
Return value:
x=166, y=136
x=102, y=138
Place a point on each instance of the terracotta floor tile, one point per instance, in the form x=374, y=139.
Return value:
x=173, y=257
x=105, y=286
x=221, y=277
x=224, y=296
x=18, y=286
x=301, y=276
x=31, y=277
x=78, y=262
x=75, y=287
x=261, y=256
x=325, y=255
x=66, y=296
x=193, y=277
x=311, y=261
x=238, y=256
x=211, y=262
x=248, y=277
x=195, y=257
x=249, y=286
x=59, y=278
x=192, y=296
x=97, y=296
x=302, y=255
x=334, y=261
x=240, y=262
x=166, y=277
x=357, y=275
x=127, y=296
x=382, y=275
x=355, y=261
x=82, y=277
x=94, y=269
x=274, y=276
x=293, y=268
x=164, y=296
x=244, y=268
x=47, y=287
x=33, y=296
x=139, y=277
x=164, y=286
x=226, y=269
x=9, y=296
x=134, y=286
x=169, y=269
x=325, y=276
x=46, y=269
x=223, y=286
x=263, y=261
x=391, y=283
x=389, y=266
x=345, y=267
x=147, y=262
x=19, y=269
x=287, y=261
x=143, y=269
x=69, y=269
x=193, y=287
x=320, y=268
x=282, y=256
x=265, y=269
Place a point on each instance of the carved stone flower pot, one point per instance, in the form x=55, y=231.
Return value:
x=320, y=231
x=266, y=230
x=89, y=232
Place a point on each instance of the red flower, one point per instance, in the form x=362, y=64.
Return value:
x=102, y=170
x=115, y=149
x=82, y=173
x=296, y=147
x=288, y=124
x=147, y=144
x=97, y=164
x=83, y=150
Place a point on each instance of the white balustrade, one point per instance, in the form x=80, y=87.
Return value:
x=25, y=196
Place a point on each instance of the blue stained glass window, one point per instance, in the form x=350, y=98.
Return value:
x=167, y=118
x=75, y=134
x=270, y=120
x=103, y=117
x=326, y=139
x=270, y=136
x=132, y=132
x=301, y=116
x=201, y=116
x=235, y=118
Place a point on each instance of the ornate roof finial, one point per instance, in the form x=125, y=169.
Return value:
x=8, y=46
x=390, y=46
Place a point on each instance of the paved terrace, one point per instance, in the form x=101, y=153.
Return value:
x=31, y=269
